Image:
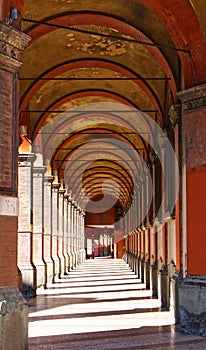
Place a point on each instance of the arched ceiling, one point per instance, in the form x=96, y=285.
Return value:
x=89, y=66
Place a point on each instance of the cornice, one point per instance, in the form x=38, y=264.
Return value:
x=193, y=99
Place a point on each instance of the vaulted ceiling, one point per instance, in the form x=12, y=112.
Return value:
x=93, y=76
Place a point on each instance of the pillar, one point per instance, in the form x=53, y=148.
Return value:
x=25, y=225
x=38, y=222
x=13, y=309
x=47, y=230
x=61, y=256
x=153, y=231
x=177, y=276
x=66, y=242
x=55, y=229
x=75, y=235
x=192, y=291
x=70, y=231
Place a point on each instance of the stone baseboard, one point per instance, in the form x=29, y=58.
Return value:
x=13, y=320
x=192, y=305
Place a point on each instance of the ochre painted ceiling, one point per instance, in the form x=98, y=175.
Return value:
x=93, y=76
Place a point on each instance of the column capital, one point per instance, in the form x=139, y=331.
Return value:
x=55, y=186
x=62, y=190
x=12, y=41
x=39, y=170
x=26, y=159
x=175, y=114
x=193, y=99
x=48, y=178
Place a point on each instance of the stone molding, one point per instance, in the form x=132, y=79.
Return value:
x=39, y=170
x=48, y=178
x=55, y=186
x=193, y=99
x=12, y=41
x=26, y=159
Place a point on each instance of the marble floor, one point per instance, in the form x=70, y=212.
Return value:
x=102, y=305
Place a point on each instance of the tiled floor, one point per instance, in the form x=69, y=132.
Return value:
x=102, y=305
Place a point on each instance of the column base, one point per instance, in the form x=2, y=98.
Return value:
x=136, y=265
x=147, y=274
x=67, y=263
x=192, y=306
x=28, y=279
x=13, y=320
x=62, y=263
x=40, y=274
x=49, y=266
x=56, y=268
x=70, y=261
x=163, y=287
x=154, y=279
x=176, y=281
x=142, y=276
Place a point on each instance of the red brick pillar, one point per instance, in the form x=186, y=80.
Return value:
x=38, y=222
x=47, y=236
x=55, y=228
x=25, y=222
x=13, y=310
x=192, y=297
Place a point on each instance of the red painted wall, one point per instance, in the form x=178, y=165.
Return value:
x=196, y=216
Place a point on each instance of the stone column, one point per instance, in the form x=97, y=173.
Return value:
x=72, y=234
x=75, y=235
x=176, y=279
x=69, y=232
x=163, y=292
x=153, y=268
x=66, y=247
x=192, y=292
x=61, y=232
x=55, y=230
x=83, y=236
x=13, y=309
x=38, y=222
x=47, y=232
x=25, y=225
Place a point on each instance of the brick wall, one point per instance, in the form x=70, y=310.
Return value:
x=8, y=251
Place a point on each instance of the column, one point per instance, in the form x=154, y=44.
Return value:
x=163, y=290
x=70, y=231
x=25, y=222
x=192, y=291
x=66, y=242
x=153, y=232
x=72, y=235
x=83, y=236
x=47, y=232
x=177, y=276
x=61, y=232
x=75, y=235
x=55, y=229
x=38, y=222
